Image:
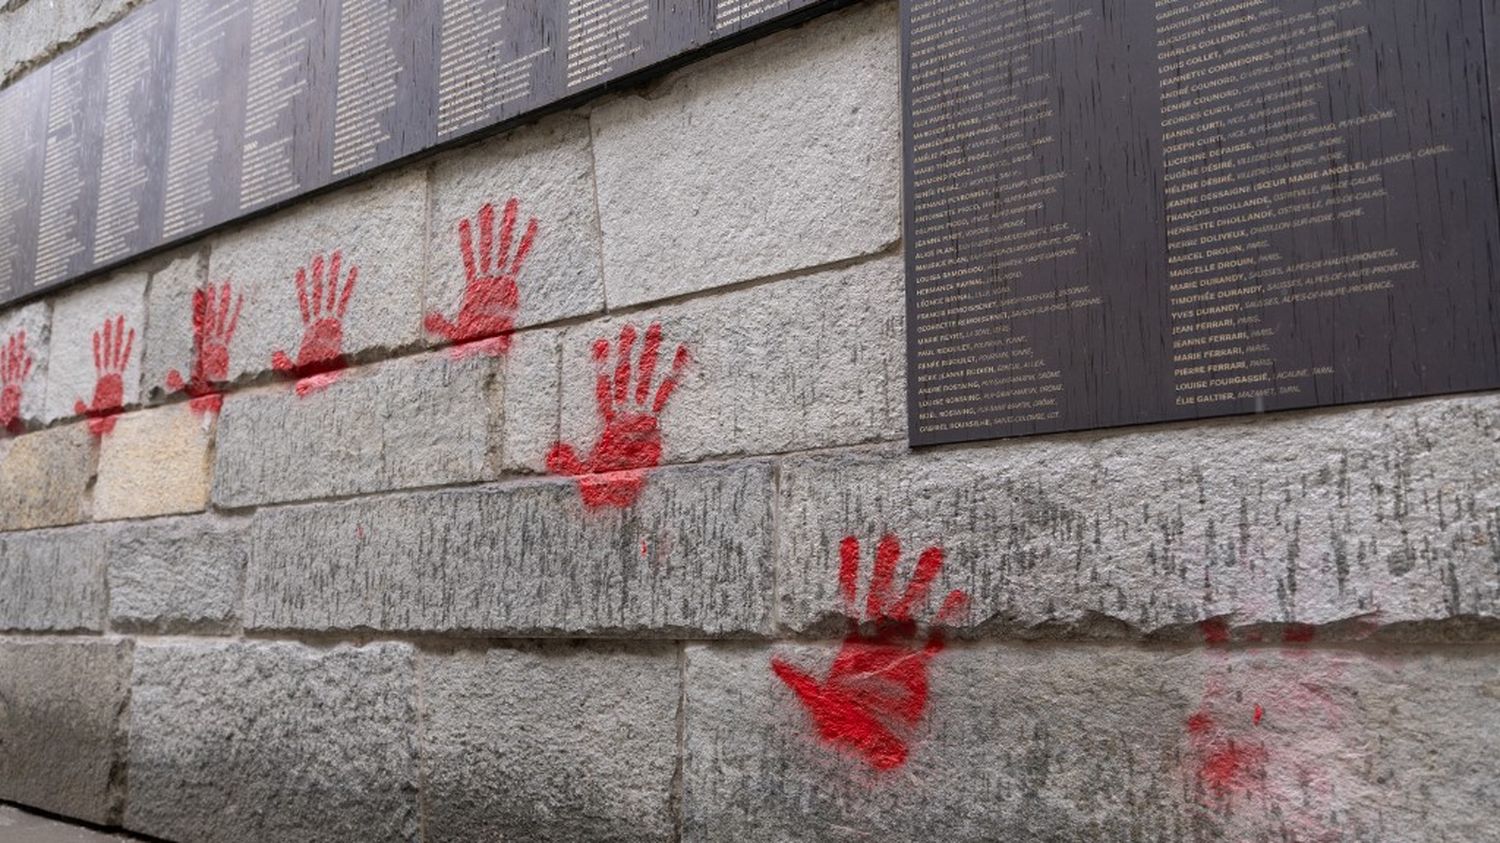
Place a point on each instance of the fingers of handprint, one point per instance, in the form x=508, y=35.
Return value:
x=486, y=238
x=333, y=279
x=98, y=355
x=524, y=249
x=302, y=295
x=650, y=350
x=466, y=249
x=507, y=231
x=669, y=384
x=602, y=393
x=315, y=296
x=124, y=356
x=348, y=291
x=622, y=363
x=234, y=318
x=887, y=555
x=928, y=566
x=849, y=572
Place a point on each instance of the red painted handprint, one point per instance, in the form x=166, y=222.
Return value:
x=615, y=471
x=15, y=367
x=877, y=686
x=213, y=328
x=491, y=297
x=322, y=350
x=112, y=346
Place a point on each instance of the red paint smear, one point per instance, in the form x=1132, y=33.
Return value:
x=1225, y=766
x=323, y=307
x=614, y=472
x=15, y=367
x=216, y=314
x=1215, y=631
x=491, y=297
x=1298, y=633
x=877, y=688
x=1259, y=713
x=112, y=346
x=316, y=383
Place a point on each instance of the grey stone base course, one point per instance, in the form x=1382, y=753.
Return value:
x=53, y=580
x=177, y=575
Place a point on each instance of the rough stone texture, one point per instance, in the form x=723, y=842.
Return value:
x=154, y=463
x=549, y=169
x=782, y=155
x=35, y=321
x=44, y=477
x=1111, y=743
x=420, y=421
x=1388, y=513
x=38, y=29
x=76, y=318
x=692, y=556
x=256, y=743
x=53, y=580
x=379, y=225
x=177, y=575
x=23, y=827
x=531, y=400
x=61, y=707
x=169, y=320
x=553, y=743
x=805, y=363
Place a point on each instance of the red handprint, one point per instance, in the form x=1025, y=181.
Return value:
x=213, y=328
x=112, y=346
x=322, y=350
x=615, y=471
x=877, y=686
x=491, y=297
x=15, y=367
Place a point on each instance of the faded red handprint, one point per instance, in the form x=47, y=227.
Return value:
x=876, y=689
x=491, y=297
x=615, y=471
x=15, y=367
x=323, y=308
x=112, y=346
x=213, y=328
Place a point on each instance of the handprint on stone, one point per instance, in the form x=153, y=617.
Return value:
x=15, y=367
x=213, y=327
x=876, y=689
x=112, y=345
x=491, y=297
x=614, y=473
x=323, y=306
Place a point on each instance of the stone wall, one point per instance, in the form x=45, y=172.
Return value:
x=305, y=569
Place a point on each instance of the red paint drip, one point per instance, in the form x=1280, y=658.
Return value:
x=877, y=688
x=112, y=346
x=1215, y=631
x=323, y=307
x=491, y=297
x=216, y=314
x=1259, y=713
x=614, y=472
x=15, y=368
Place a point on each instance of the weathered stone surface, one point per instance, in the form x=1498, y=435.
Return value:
x=61, y=736
x=419, y=421
x=169, y=320
x=1108, y=743
x=30, y=328
x=1388, y=513
x=53, y=580
x=531, y=400
x=154, y=463
x=526, y=558
x=177, y=575
x=548, y=168
x=795, y=365
x=44, y=477
x=37, y=29
x=377, y=225
x=782, y=155
x=559, y=742
x=24, y=827
x=252, y=743
x=74, y=370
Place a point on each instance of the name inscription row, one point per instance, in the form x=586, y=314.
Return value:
x=188, y=114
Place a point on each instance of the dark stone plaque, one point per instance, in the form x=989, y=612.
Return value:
x=1194, y=209
x=188, y=114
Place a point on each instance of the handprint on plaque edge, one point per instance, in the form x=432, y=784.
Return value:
x=15, y=367
x=491, y=298
x=877, y=686
x=321, y=355
x=213, y=328
x=629, y=444
x=111, y=357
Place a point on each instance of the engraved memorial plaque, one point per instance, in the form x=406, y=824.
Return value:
x=1204, y=210
x=75, y=144
x=23, y=132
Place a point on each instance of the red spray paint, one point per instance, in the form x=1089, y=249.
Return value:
x=323, y=307
x=491, y=297
x=614, y=473
x=877, y=686
x=214, y=321
x=112, y=346
x=15, y=367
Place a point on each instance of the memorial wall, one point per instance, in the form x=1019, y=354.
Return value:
x=1136, y=212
